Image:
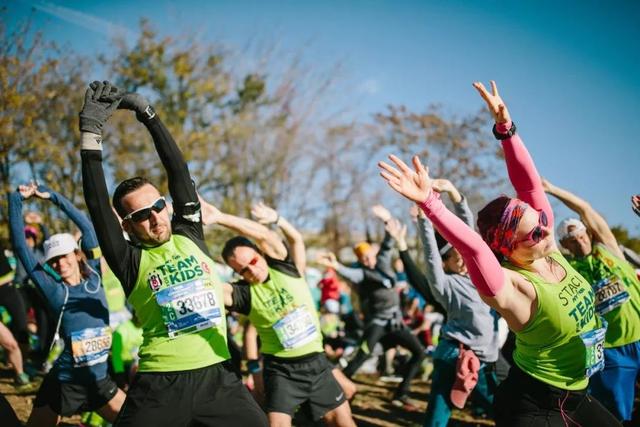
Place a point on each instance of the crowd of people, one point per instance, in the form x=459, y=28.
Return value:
x=131, y=320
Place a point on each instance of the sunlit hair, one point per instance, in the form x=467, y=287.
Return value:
x=125, y=187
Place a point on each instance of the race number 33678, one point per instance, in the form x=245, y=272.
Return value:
x=189, y=307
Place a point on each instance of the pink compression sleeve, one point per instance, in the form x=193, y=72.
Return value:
x=523, y=173
x=484, y=269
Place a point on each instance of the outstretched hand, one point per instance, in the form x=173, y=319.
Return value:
x=547, y=185
x=495, y=104
x=97, y=109
x=415, y=184
x=210, y=214
x=327, y=260
x=27, y=190
x=45, y=195
x=381, y=212
x=264, y=214
x=396, y=229
x=445, y=186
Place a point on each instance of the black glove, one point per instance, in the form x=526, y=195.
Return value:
x=96, y=110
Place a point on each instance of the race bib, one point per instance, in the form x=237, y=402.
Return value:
x=594, y=345
x=189, y=307
x=90, y=346
x=296, y=329
x=610, y=294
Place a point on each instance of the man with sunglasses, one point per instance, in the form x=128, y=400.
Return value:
x=599, y=259
x=275, y=297
x=169, y=279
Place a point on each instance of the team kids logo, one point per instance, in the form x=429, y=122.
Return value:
x=581, y=299
x=178, y=270
x=279, y=302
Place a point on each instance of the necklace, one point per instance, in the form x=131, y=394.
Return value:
x=557, y=275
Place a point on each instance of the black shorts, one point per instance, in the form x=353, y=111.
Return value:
x=67, y=399
x=522, y=400
x=290, y=383
x=210, y=396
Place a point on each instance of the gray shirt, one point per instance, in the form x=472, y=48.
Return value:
x=469, y=320
x=376, y=286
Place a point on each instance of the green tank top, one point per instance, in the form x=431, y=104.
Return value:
x=179, y=301
x=283, y=312
x=613, y=279
x=549, y=348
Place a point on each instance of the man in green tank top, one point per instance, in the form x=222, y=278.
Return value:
x=598, y=258
x=168, y=278
x=275, y=297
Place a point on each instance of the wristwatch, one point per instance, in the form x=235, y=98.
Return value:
x=148, y=113
x=500, y=136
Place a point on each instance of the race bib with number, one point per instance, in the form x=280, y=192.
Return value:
x=90, y=346
x=594, y=345
x=296, y=329
x=610, y=294
x=189, y=307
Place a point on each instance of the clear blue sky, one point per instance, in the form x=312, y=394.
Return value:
x=568, y=70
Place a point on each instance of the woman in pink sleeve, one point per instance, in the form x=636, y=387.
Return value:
x=518, y=270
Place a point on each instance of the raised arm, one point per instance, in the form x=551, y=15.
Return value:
x=485, y=271
x=121, y=257
x=522, y=171
x=89, y=242
x=353, y=275
x=595, y=223
x=504, y=290
x=384, y=256
x=268, y=241
x=183, y=193
x=266, y=215
x=435, y=275
x=414, y=276
x=40, y=274
x=384, y=259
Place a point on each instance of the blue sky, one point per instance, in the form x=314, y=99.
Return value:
x=568, y=70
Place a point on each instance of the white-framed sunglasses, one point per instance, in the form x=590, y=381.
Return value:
x=142, y=214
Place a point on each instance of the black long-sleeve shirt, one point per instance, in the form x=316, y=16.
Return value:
x=419, y=282
x=122, y=256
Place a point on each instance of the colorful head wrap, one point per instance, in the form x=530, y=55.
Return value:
x=503, y=239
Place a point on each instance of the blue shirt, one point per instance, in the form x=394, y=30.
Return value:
x=85, y=313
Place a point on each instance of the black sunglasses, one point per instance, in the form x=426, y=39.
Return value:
x=144, y=213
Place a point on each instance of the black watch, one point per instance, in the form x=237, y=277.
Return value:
x=148, y=113
x=500, y=136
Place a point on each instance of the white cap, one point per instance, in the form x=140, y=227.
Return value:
x=59, y=244
x=575, y=224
